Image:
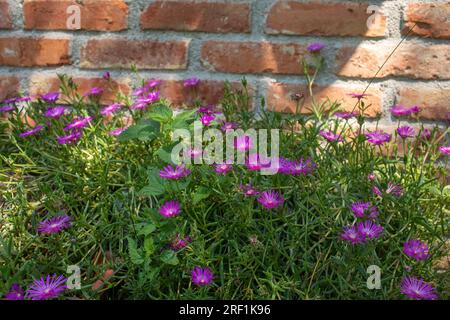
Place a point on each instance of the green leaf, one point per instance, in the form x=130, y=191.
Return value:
x=133, y=252
x=149, y=246
x=155, y=186
x=169, y=257
x=164, y=155
x=201, y=194
x=143, y=130
x=160, y=113
x=147, y=229
x=182, y=120
x=151, y=190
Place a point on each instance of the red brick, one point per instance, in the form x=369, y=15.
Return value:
x=9, y=87
x=99, y=15
x=208, y=91
x=40, y=84
x=145, y=54
x=197, y=16
x=28, y=52
x=410, y=60
x=5, y=15
x=253, y=57
x=435, y=103
x=279, y=98
x=432, y=20
x=324, y=18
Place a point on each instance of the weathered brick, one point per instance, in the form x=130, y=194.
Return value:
x=98, y=15
x=5, y=15
x=9, y=86
x=145, y=54
x=197, y=16
x=324, y=18
x=208, y=91
x=253, y=57
x=432, y=20
x=28, y=52
x=433, y=102
x=40, y=84
x=279, y=98
x=410, y=60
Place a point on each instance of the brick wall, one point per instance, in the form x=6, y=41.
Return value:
x=224, y=40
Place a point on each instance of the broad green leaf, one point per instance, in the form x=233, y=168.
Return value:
x=160, y=113
x=149, y=246
x=143, y=130
x=169, y=257
x=200, y=194
x=147, y=229
x=133, y=252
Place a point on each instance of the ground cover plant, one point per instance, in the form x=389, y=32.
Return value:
x=94, y=187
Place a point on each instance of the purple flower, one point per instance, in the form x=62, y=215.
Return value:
x=210, y=110
x=302, y=166
x=49, y=288
x=206, y=119
x=425, y=134
x=346, y=115
x=330, y=136
x=270, y=199
x=223, y=168
x=170, y=209
x=359, y=96
x=172, y=173
x=256, y=162
x=202, y=276
x=149, y=98
x=369, y=229
x=406, y=132
x=109, y=110
x=50, y=97
x=180, y=242
x=193, y=153
x=445, y=149
x=31, y=132
x=416, y=249
x=249, y=191
x=417, y=289
x=394, y=189
x=117, y=132
x=106, y=75
x=192, y=82
x=315, y=47
x=378, y=137
x=297, y=96
x=6, y=109
x=152, y=83
x=70, y=139
x=55, y=112
x=54, y=225
x=15, y=293
x=229, y=126
x=352, y=235
x=401, y=111
x=364, y=210
x=78, y=123
x=243, y=143
x=95, y=91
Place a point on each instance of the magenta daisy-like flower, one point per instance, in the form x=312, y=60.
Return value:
x=180, y=242
x=78, y=123
x=445, y=149
x=402, y=111
x=425, y=134
x=352, y=235
x=70, y=138
x=394, y=189
x=152, y=83
x=4, y=109
x=193, y=153
x=378, y=137
x=94, y=92
x=330, y=136
x=55, y=112
x=15, y=293
x=223, y=168
x=54, y=225
x=117, y=132
x=369, y=229
x=106, y=75
x=417, y=289
x=255, y=162
x=170, y=209
x=406, y=132
x=359, y=96
x=364, y=210
x=210, y=109
x=202, y=276
x=150, y=98
x=315, y=47
x=49, y=288
x=50, y=97
x=416, y=249
x=111, y=109
x=31, y=132
x=302, y=166
x=206, y=119
x=192, y=82
x=243, y=143
x=229, y=126
x=174, y=173
x=249, y=191
x=346, y=115
x=270, y=199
